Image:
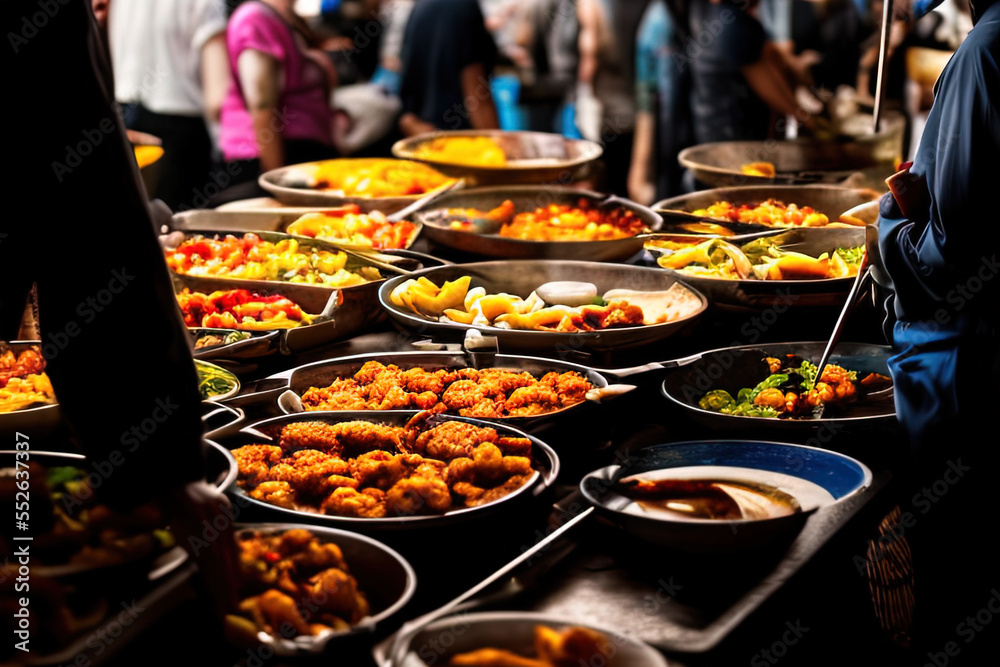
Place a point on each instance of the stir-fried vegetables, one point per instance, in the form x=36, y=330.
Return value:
x=791, y=390
x=761, y=259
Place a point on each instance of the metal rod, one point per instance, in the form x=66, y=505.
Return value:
x=883, y=62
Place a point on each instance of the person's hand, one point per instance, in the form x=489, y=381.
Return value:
x=201, y=519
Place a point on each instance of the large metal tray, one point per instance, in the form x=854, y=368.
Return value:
x=533, y=158
x=291, y=185
x=528, y=198
x=522, y=277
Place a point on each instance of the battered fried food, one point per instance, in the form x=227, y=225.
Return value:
x=349, y=502
x=292, y=584
x=276, y=493
x=381, y=470
x=571, y=647
x=311, y=435
x=485, y=394
x=453, y=439
x=254, y=463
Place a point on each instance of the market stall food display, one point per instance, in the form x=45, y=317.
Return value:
x=379, y=378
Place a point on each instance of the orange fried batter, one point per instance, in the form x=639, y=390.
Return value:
x=311, y=435
x=254, y=463
x=453, y=439
x=277, y=493
x=348, y=502
x=465, y=391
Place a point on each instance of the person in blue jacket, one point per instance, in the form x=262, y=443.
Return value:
x=938, y=241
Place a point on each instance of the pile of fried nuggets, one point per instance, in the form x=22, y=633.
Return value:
x=488, y=393
x=366, y=469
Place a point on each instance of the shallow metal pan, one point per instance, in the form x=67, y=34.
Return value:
x=532, y=157
x=521, y=277
x=288, y=386
x=830, y=200
x=799, y=161
x=291, y=185
x=233, y=222
x=733, y=368
x=345, y=310
x=544, y=461
x=782, y=294
x=527, y=198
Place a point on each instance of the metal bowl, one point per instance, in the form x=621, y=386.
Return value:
x=544, y=461
x=781, y=465
x=830, y=200
x=533, y=158
x=800, y=161
x=527, y=198
x=736, y=367
x=783, y=294
x=294, y=185
x=291, y=384
x=234, y=222
x=383, y=575
x=513, y=631
x=344, y=311
x=36, y=421
x=521, y=277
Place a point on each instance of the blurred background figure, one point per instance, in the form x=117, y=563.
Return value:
x=277, y=108
x=448, y=56
x=661, y=123
x=169, y=64
x=547, y=62
x=605, y=103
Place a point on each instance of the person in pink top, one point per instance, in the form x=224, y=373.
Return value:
x=277, y=109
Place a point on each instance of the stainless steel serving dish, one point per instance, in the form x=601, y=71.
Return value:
x=36, y=421
x=294, y=185
x=288, y=386
x=532, y=157
x=233, y=222
x=866, y=159
x=544, y=461
x=831, y=200
x=512, y=631
x=521, y=277
x=488, y=243
x=387, y=580
x=342, y=311
x=782, y=294
x=736, y=367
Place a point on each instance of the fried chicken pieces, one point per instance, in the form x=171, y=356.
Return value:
x=281, y=573
x=370, y=470
x=569, y=648
x=469, y=392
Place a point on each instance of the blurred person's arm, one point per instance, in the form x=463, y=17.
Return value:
x=260, y=80
x=475, y=89
x=214, y=75
x=641, y=187
x=587, y=14
x=770, y=84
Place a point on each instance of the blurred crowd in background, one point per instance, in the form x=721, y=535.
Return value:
x=232, y=89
